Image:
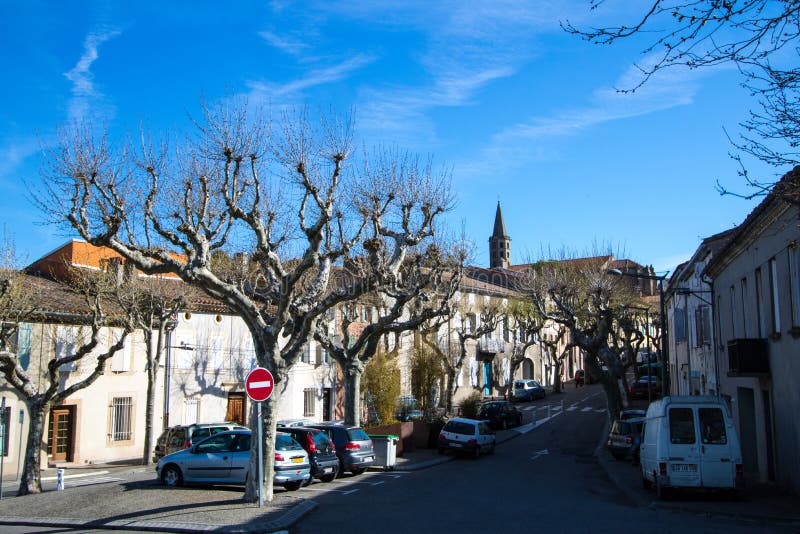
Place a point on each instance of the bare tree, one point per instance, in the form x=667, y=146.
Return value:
x=626, y=338
x=285, y=194
x=530, y=324
x=580, y=295
x=150, y=303
x=758, y=36
x=421, y=292
x=82, y=344
x=469, y=323
x=556, y=358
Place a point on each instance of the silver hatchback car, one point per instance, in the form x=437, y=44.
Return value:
x=225, y=459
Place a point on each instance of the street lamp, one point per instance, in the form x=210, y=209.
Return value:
x=664, y=345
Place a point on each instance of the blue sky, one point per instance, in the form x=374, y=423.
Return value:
x=520, y=111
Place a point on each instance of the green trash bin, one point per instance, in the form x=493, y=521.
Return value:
x=385, y=450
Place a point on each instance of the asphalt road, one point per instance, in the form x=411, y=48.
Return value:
x=547, y=478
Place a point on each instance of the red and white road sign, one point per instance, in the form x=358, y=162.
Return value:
x=259, y=384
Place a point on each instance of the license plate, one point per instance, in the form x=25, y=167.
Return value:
x=328, y=470
x=684, y=468
x=369, y=458
x=456, y=445
x=297, y=460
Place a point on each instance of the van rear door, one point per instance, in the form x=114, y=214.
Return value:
x=717, y=466
x=683, y=466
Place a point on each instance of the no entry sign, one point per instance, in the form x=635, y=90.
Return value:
x=259, y=384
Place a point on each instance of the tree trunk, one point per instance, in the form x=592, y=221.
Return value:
x=152, y=377
x=450, y=391
x=613, y=398
x=268, y=421
x=352, y=392
x=557, y=376
x=31, y=481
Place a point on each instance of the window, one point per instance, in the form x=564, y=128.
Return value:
x=191, y=411
x=712, y=426
x=321, y=354
x=183, y=350
x=702, y=323
x=774, y=299
x=794, y=283
x=471, y=323
x=5, y=423
x=121, y=360
x=734, y=315
x=309, y=400
x=679, y=319
x=121, y=424
x=66, y=344
x=215, y=352
x=217, y=444
x=305, y=356
x=24, y=334
x=743, y=294
x=249, y=354
x=762, y=323
x=681, y=426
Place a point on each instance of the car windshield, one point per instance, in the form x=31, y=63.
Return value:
x=286, y=443
x=459, y=427
x=356, y=434
x=321, y=440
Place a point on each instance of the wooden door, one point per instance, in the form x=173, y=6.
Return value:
x=235, y=413
x=60, y=442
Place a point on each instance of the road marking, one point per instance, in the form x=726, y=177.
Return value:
x=599, y=410
x=326, y=490
x=529, y=408
x=95, y=473
x=572, y=408
x=539, y=454
x=91, y=481
x=587, y=409
x=524, y=429
x=557, y=408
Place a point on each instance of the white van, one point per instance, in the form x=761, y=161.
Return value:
x=690, y=442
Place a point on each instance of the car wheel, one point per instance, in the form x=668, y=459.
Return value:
x=358, y=471
x=328, y=478
x=661, y=492
x=171, y=476
x=503, y=424
x=491, y=449
x=477, y=452
x=340, y=474
x=293, y=486
x=646, y=484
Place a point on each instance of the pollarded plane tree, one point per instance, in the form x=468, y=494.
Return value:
x=626, y=338
x=419, y=292
x=286, y=192
x=529, y=324
x=81, y=343
x=582, y=296
x=468, y=321
x=759, y=37
x=556, y=349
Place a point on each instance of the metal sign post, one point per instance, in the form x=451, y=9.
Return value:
x=259, y=385
x=3, y=430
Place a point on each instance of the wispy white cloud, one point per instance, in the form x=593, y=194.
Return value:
x=261, y=90
x=288, y=45
x=85, y=95
x=512, y=146
x=14, y=153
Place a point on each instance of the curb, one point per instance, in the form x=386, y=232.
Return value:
x=294, y=514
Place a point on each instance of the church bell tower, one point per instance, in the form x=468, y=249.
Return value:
x=499, y=243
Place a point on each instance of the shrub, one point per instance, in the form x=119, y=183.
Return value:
x=471, y=405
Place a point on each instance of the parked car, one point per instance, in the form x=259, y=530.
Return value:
x=638, y=390
x=625, y=438
x=181, y=437
x=321, y=451
x=632, y=414
x=468, y=436
x=288, y=423
x=353, y=446
x=690, y=442
x=408, y=409
x=500, y=414
x=525, y=390
x=580, y=375
x=224, y=458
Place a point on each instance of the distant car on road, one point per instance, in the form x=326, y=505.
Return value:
x=632, y=414
x=638, y=390
x=625, y=438
x=525, y=390
x=580, y=376
x=467, y=436
x=500, y=414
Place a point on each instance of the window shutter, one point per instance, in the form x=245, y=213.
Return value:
x=66, y=338
x=215, y=352
x=24, y=344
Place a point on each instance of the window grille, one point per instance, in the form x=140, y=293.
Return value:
x=121, y=410
x=309, y=399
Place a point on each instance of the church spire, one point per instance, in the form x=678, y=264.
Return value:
x=499, y=243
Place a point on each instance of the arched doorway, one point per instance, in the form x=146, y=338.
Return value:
x=527, y=368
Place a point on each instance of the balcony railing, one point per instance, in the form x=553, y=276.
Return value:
x=492, y=346
x=748, y=357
